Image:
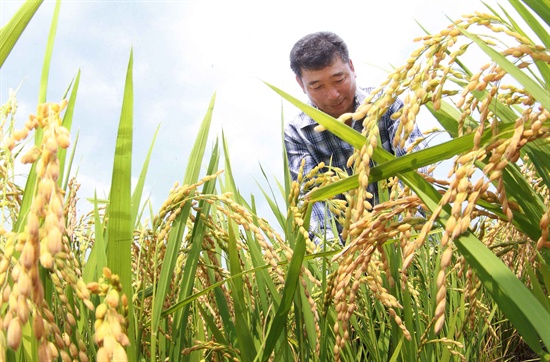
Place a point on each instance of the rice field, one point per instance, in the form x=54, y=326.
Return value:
x=452, y=268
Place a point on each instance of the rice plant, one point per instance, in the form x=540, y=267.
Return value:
x=444, y=268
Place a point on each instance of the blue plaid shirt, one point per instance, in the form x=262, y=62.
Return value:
x=303, y=142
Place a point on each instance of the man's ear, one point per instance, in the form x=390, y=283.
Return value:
x=352, y=68
x=299, y=80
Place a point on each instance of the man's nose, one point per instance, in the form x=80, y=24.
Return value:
x=333, y=93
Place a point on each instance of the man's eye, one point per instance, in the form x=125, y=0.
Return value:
x=340, y=80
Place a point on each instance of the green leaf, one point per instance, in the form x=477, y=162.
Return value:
x=182, y=303
x=138, y=191
x=120, y=227
x=409, y=162
x=272, y=202
x=538, y=152
x=67, y=123
x=541, y=8
x=245, y=340
x=538, y=290
x=69, y=165
x=339, y=129
x=516, y=301
x=97, y=260
x=533, y=23
x=48, y=56
x=223, y=307
x=192, y=260
x=242, y=313
x=197, y=153
x=278, y=324
x=286, y=169
x=212, y=327
x=10, y=33
x=531, y=203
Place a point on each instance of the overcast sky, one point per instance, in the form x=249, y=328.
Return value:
x=184, y=51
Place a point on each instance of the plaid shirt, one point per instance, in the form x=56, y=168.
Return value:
x=303, y=142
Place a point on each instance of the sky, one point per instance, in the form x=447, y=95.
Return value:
x=184, y=52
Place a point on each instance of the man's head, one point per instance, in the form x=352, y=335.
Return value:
x=325, y=72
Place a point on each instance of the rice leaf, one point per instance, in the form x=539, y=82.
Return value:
x=138, y=191
x=286, y=170
x=272, y=201
x=538, y=152
x=408, y=162
x=10, y=32
x=182, y=303
x=223, y=308
x=245, y=340
x=299, y=322
x=307, y=317
x=537, y=288
x=212, y=327
x=531, y=203
x=533, y=23
x=544, y=273
x=447, y=116
x=120, y=227
x=197, y=153
x=517, y=302
x=397, y=350
x=48, y=56
x=69, y=165
x=541, y=8
x=67, y=123
x=189, y=270
x=278, y=324
x=339, y=129
x=97, y=259
x=265, y=285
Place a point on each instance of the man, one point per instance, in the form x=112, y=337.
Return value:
x=327, y=76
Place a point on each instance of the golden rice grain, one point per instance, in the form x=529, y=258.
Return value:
x=14, y=334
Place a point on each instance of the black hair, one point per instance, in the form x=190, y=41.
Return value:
x=316, y=51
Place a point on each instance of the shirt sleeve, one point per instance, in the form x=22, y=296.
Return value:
x=296, y=150
x=390, y=126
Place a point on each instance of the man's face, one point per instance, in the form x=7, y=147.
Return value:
x=331, y=89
